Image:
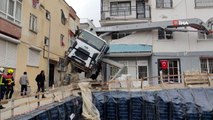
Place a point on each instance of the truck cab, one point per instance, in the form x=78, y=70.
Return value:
x=87, y=51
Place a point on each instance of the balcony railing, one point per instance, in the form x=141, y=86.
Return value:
x=125, y=13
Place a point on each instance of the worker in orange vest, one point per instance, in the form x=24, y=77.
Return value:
x=10, y=83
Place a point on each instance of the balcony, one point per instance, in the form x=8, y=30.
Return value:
x=10, y=29
x=123, y=15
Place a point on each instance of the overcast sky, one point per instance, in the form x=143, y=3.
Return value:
x=87, y=9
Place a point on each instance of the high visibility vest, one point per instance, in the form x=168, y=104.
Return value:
x=9, y=79
x=1, y=80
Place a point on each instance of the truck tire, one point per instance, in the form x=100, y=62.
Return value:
x=94, y=76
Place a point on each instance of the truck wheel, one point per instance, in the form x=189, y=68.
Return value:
x=94, y=76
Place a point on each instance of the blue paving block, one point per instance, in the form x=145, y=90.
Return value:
x=43, y=116
x=111, y=109
x=53, y=114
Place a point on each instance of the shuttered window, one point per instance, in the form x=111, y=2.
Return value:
x=8, y=54
x=2, y=52
x=33, y=57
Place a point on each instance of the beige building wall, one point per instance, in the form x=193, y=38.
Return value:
x=34, y=41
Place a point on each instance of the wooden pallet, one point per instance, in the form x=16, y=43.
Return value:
x=196, y=79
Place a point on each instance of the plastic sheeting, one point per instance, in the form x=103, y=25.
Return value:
x=55, y=111
x=89, y=111
x=175, y=104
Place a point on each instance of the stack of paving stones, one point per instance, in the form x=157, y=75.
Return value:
x=174, y=104
x=55, y=111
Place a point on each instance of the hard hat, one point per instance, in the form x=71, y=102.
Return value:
x=10, y=71
x=1, y=70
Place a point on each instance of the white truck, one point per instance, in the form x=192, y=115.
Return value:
x=86, y=53
x=88, y=50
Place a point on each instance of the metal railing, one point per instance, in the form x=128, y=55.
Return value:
x=124, y=13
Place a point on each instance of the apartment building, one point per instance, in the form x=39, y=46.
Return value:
x=34, y=36
x=181, y=51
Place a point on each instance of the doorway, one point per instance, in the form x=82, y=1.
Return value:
x=51, y=74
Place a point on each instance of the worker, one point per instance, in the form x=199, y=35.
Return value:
x=3, y=84
x=40, y=79
x=10, y=83
x=24, y=82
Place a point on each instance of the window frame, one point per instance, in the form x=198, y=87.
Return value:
x=167, y=35
x=202, y=6
x=47, y=14
x=14, y=18
x=8, y=52
x=118, y=35
x=169, y=73
x=33, y=23
x=63, y=18
x=46, y=41
x=35, y=58
x=162, y=5
x=116, y=11
x=208, y=65
x=62, y=40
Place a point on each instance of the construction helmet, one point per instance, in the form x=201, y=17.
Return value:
x=1, y=70
x=10, y=71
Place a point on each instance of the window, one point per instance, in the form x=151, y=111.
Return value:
x=118, y=35
x=33, y=57
x=203, y=3
x=120, y=8
x=114, y=70
x=205, y=36
x=63, y=19
x=162, y=34
x=8, y=53
x=163, y=3
x=142, y=10
x=47, y=15
x=170, y=71
x=62, y=40
x=142, y=72
x=11, y=10
x=46, y=41
x=136, y=69
x=91, y=39
x=33, y=23
x=61, y=67
x=206, y=65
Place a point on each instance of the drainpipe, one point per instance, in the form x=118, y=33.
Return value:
x=48, y=55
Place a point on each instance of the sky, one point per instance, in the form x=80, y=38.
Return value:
x=87, y=9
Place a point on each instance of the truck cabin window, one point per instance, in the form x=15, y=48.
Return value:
x=91, y=40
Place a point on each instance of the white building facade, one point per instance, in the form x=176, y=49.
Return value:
x=182, y=51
